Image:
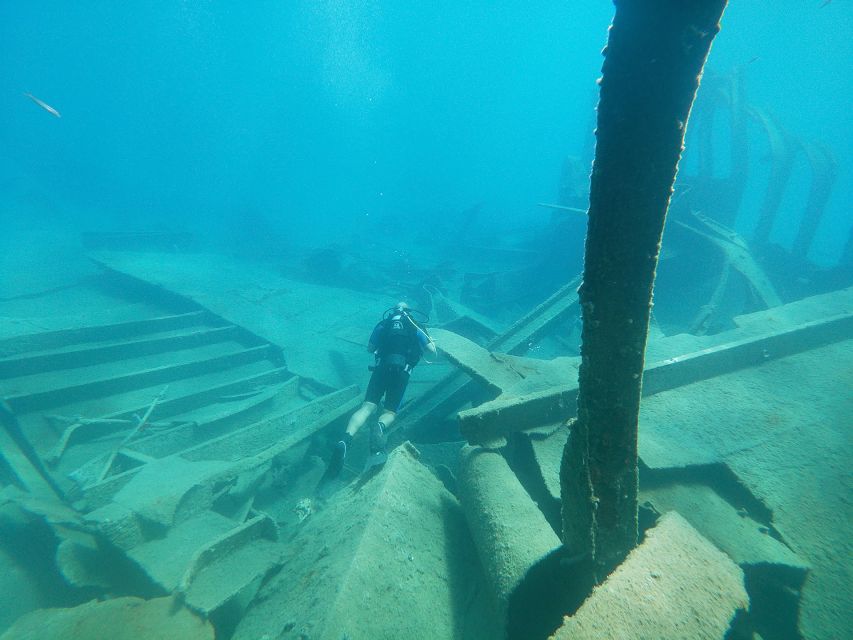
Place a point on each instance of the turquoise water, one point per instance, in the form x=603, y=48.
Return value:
x=318, y=115
x=308, y=164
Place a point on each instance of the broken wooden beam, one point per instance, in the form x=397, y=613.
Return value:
x=487, y=368
x=20, y=464
x=736, y=253
x=489, y=424
x=455, y=389
x=676, y=361
x=187, y=426
x=133, y=432
x=773, y=574
x=246, y=448
x=231, y=568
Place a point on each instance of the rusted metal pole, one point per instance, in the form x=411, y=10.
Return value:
x=652, y=66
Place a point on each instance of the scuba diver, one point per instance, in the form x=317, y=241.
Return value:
x=397, y=343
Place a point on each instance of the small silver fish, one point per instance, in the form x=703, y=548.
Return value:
x=44, y=105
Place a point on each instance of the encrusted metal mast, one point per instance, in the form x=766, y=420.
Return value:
x=652, y=66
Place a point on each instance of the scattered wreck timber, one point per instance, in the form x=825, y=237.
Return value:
x=478, y=362
x=696, y=590
x=139, y=426
x=455, y=389
x=738, y=255
x=676, y=361
x=704, y=317
x=231, y=566
x=20, y=465
x=652, y=65
x=705, y=496
x=518, y=339
x=284, y=429
x=774, y=575
x=71, y=389
x=450, y=313
x=177, y=535
x=80, y=356
x=258, y=390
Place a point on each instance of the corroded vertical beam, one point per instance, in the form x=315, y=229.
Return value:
x=781, y=165
x=824, y=172
x=653, y=62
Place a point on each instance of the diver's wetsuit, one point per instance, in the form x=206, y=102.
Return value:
x=399, y=343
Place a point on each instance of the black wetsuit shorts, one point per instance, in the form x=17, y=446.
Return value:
x=389, y=381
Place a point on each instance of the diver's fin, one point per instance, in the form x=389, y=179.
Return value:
x=375, y=460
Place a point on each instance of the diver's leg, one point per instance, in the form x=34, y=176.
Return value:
x=379, y=432
x=387, y=418
x=356, y=421
x=393, y=400
x=361, y=415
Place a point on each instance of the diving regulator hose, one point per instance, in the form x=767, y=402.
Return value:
x=429, y=337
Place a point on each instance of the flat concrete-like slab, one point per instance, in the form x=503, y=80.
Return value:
x=675, y=585
x=783, y=429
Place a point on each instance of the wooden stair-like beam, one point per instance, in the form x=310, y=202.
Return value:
x=48, y=398
x=82, y=356
x=117, y=331
x=653, y=63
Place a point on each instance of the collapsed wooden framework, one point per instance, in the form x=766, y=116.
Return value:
x=176, y=455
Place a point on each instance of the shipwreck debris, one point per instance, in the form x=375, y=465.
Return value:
x=127, y=618
x=139, y=427
x=363, y=565
x=652, y=66
x=521, y=555
x=692, y=589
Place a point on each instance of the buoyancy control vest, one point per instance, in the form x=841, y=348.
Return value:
x=398, y=344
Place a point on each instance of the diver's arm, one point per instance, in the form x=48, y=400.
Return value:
x=425, y=341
